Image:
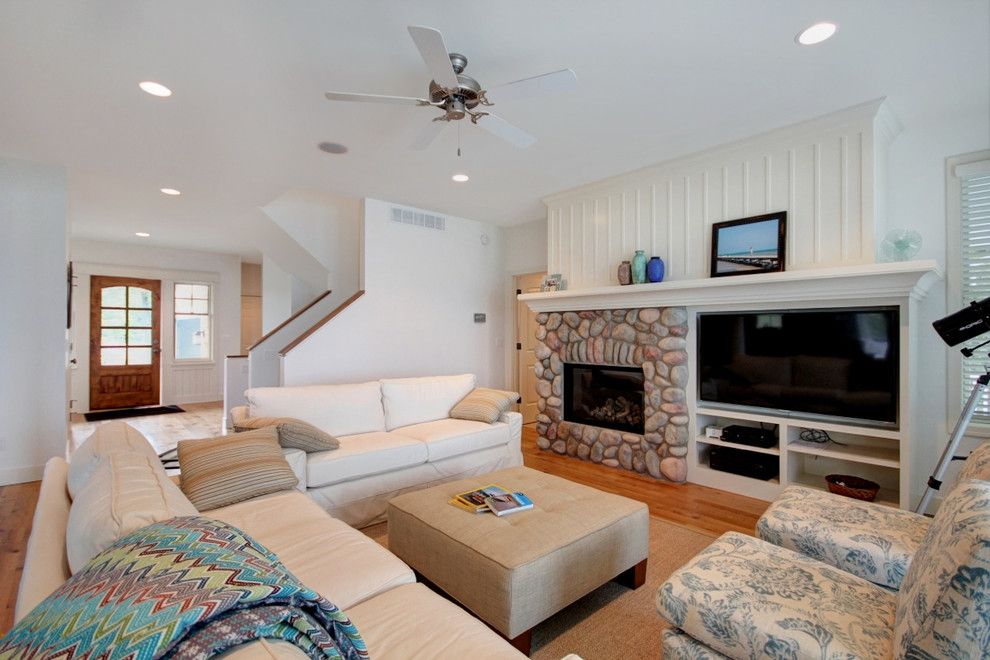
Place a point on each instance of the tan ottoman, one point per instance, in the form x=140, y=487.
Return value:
x=515, y=571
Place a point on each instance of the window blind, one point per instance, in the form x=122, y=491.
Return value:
x=975, y=269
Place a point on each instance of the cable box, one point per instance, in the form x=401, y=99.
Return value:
x=745, y=463
x=749, y=435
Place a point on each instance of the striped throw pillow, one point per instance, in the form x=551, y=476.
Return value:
x=292, y=433
x=216, y=472
x=483, y=405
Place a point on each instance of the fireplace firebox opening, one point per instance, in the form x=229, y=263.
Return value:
x=605, y=396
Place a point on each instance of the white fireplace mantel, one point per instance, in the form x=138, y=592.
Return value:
x=885, y=282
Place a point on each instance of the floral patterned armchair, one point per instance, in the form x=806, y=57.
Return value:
x=745, y=598
x=872, y=541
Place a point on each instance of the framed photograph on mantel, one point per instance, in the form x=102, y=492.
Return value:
x=749, y=245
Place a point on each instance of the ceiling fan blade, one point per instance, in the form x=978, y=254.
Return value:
x=548, y=83
x=435, y=54
x=427, y=135
x=375, y=98
x=503, y=129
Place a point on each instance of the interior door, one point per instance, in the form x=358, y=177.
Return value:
x=526, y=347
x=124, y=342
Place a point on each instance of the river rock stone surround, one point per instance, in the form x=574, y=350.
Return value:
x=653, y=338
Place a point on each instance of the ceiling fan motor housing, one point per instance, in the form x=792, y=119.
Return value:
x=467, y=95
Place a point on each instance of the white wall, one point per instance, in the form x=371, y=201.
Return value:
x=916, y=200
x=328, y=227
x=821, y=172
x=276, y=295
x=32, y=333
x=179, y=383
x=423, y=287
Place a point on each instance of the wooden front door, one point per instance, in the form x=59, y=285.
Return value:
x=526, y=347
x=124, y=342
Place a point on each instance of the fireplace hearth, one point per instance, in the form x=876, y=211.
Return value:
x=606, y=396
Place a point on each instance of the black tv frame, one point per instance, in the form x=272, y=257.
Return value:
x=797, y=414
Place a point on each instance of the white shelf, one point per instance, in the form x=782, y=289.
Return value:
x=795, y=422
x=705, y=440
x=880, y=282
x=766, y=490
x=882, y=456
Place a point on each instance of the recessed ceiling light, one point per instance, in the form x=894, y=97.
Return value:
x=460, y=178
x=170, y=191
x=142, y=234
x=816, y=34
x=155, y=89
x=332, y=147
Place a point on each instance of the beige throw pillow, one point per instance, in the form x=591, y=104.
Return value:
x=483, y=405
x=292, y=433
x=215, y=472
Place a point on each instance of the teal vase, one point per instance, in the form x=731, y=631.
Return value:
x=639, y=267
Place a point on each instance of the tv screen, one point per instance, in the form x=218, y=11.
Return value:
x=838, y=364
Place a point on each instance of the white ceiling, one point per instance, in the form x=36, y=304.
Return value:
x=657, y=79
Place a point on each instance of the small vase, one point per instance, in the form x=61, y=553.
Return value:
x=625, y=273
x=654, y=269
x=639, y=267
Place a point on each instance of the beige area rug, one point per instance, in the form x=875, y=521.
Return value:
x=612, y=621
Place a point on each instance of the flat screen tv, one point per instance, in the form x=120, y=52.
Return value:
x=822, y=364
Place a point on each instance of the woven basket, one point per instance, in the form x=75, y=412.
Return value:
x=850, y=486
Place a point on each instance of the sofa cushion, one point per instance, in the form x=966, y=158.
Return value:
x=107, y=438
x=392, y=634
x=326, y=554
x=445, y=438
x=944, y=603
x=292, y=433
x=748, y=598
x=215, y=472
x=337, y=409
x=414, y=400
x=870, y=540
x=125, y=491
x=483, y=404
x=363, y=455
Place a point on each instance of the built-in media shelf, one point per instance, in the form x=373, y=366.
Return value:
x=871, y=453
x=773, y=451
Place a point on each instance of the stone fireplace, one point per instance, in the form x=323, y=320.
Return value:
x=611, y=388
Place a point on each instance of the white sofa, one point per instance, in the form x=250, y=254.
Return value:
x=396, y=616
x=395, y=435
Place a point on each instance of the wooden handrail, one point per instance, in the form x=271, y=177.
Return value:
x=319, y=324
x=291, y=318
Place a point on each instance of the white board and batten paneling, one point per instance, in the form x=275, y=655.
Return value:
x=823, y=172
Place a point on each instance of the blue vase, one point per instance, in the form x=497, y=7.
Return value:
x=654, y=269
x=639, y=267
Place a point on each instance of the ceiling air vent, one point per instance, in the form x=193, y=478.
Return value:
x=418, y=218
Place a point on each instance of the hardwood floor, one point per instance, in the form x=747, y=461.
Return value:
x=17, y=504
x=699, y=508
x=702, y=509
x=200, y=420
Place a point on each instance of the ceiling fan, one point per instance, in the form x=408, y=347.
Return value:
x=460, y=96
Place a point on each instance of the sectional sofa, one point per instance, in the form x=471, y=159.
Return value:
x=395, y=436
x=396, y=616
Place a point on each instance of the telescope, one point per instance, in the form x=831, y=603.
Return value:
x=968, y=323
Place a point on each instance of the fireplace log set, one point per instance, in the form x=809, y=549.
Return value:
x=616, y=411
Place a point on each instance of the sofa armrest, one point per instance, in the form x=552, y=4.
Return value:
x=296, y=458
x=514, y=421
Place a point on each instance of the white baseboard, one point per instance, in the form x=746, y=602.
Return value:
x=20, y=475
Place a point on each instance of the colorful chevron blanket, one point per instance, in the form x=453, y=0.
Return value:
x=185, y=588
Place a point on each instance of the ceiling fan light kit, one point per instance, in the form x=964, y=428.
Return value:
x=459, y=96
